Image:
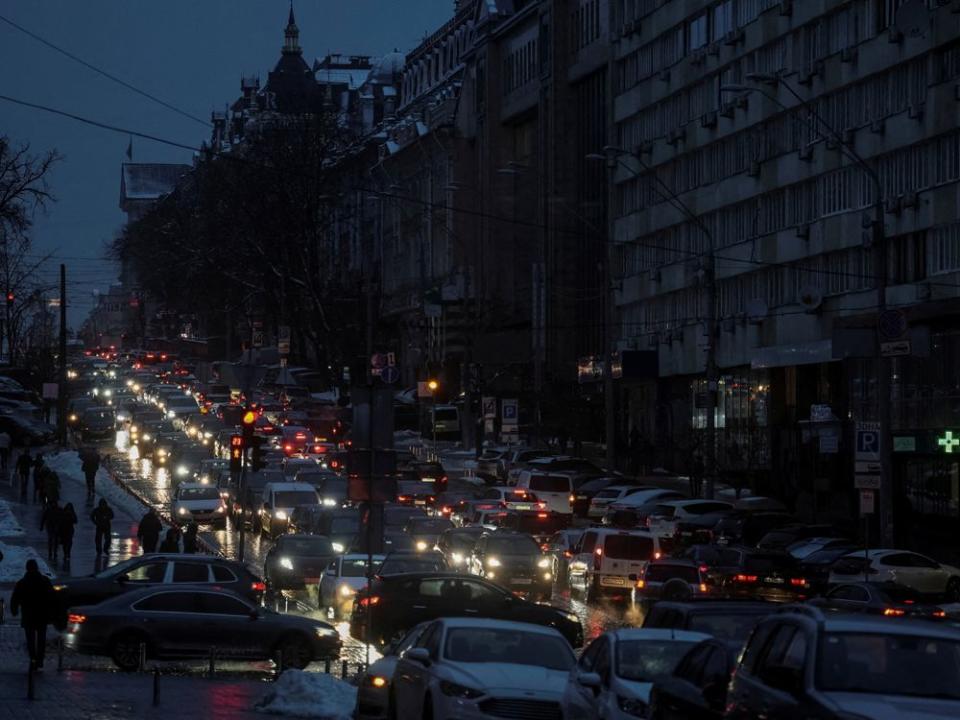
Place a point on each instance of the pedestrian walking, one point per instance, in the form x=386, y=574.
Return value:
x=23, y=466
x=51, y=486
x=171, y=542
x=50, y=521
x=148, y=532
x=90, y=465
x=34, y=595
x=190, y=539
x=102, y=516
x=5, y=443
x=68, y=523
x=38, y=468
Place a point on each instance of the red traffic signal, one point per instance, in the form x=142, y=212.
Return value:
x=236, y=441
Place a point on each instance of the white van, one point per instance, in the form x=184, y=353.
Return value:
x=279, y=500
x=554, y=490
x=605, y=558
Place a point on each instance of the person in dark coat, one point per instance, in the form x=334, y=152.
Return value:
x=171, y=543
x=38, y=469
x=148, y=532
x=68, y=523
x=190, y=539
x=90, y=465
x=34, y=595
x=50, y=521
x=51, y=486
x=102, y=516
x=24, y=464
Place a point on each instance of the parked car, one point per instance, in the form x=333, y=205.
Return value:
x=183, y=623
x=605, y=558
x=472, y=668
x=806, y=664
x=615, y=673
x=728, y=620
x=902, y=567
x=297, y=561
x=397, y=603
x=514, y=561
x=199, y=503
x=373, y=686
x=697, y=688
x=670, y=579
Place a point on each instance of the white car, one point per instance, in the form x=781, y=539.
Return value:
x=903, y=567
x=513, y=498
x=613, y=678
x=199, y=503
x=802, y=549
x=373, y=688
x=341, y=580
x=662, y=522
x=603, y=499
x=472, y=669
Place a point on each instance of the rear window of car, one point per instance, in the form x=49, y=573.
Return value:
x=662, y=573
x=513, y=545
x=767, y=563
x=604, y=494
x=549, y=483
x=732, y=627
x=628, y=547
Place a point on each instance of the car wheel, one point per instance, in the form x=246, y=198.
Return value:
x=125, y=650
x=953, y=589
x=295, y=652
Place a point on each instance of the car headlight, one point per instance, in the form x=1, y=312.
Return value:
x=73, y=418
x=325, y=632
x=457, y=558
x=461, y=691
x=493, y=562
x=329, y=502
x=171, y=414
x=220, y=509
x=183, y=470
x=347, y=591
x=286, y=563
x=280, y=515
x=632, y=706
x=421, y=545
x=146, y=436
x=161, y=453
x=134, y=429
x=59, y=588
x=182, y=511
x=543, y=563
x=547, y=576
x=571, y=617
x=338, y=547
x=375, y=681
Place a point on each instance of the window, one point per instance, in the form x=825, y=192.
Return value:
x=190, y=572
x=777, y=646
x=715, y=668
x=222, y=605
x=588, y=543
x=169, y=602
x=628, y=547
x=223, y=574
x=851, y=593
x=723, y=21
x=796, y=653
x=903, y=560
x=151, y=572
x=697, y=35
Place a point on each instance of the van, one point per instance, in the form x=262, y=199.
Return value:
x=605, y=558
x=446, y=420
x=554, y=490
x=279, y=500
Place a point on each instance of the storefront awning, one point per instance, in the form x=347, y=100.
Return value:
x=811, y=353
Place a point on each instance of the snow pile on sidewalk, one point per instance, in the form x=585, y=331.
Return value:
x=67, y=466
x=314, y=695
x=9, y=527
x=15, y=559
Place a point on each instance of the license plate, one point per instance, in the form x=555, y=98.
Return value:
x=521, y=581
x=419, y=502
x=428, y=479
x=774, y=581
x=521, y=506
x=618, y=581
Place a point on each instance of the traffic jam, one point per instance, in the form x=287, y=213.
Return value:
x=517, y=582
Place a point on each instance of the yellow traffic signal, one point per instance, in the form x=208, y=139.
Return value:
x=432, y=385
x=249, y=417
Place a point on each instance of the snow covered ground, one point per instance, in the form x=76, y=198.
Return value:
x=67, y=466
x=9, y=527
x=15, y=558
x=313, y=695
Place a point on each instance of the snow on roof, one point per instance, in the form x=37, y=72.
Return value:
x=352, y=78
x=149, y=181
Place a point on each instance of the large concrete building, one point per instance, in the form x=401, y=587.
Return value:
x=738, y=126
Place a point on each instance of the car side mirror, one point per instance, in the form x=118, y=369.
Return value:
x=590, y=680
x=418, y=655
x=787, y=679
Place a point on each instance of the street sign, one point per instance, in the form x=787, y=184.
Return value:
x=867, y=504
x=892, y=324
x=489, y=408
x=868, y=441
x=257, y=340
x=867, y=467
x=508, y=411
x=896, y=348
x=423, y=390
x=283, y=339
x=866, y=482
x=905, y=443
x=390, y=374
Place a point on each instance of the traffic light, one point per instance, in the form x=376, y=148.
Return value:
x=256, y=454
x=236, y=453
x=249, y=420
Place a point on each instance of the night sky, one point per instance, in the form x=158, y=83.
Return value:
x=189, y=53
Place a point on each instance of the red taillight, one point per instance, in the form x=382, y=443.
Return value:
x=258, y=586
x=368, y=601
x=745, y=578
x=545, y=547
x=908, y=602
x=443, y=479
x=657, y=555
x=939, y=613
x=76, y=618
x=798, y=582
x=288, y=448
x=542, y=515
x=567, y=554
x=431, y=499
x=446, y=510
x=894, y=612
x=402, y=498
x=703, y=568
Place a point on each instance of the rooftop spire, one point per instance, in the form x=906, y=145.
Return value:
x=291, y=35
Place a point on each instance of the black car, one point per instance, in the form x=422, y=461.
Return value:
x=747, y=528
x=343, y=526
x=456, y=544
x=97, y=424
x=431, y=473
x=296, y=561
x=425, y=531
x=515, y=561
x=399, y=602
x=182, y=623
x=416, y=493
x=560, y=548
x=887, y=599
x=728, y=620
x=743, y=572
x=697, y=688
x=816, y=567
x=411, y=561
x=159, y=569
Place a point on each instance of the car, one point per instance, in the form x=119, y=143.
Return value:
x=878, y=598
x=159, y=569
x=407, y=561
x=515, y=561
x=670, y=579
x=555, y=490
x=425, y=531
x=297, y=561
x=512, y=498
x=728, y=620
x=331, y=487
x=477, y=668
x=808, y=664
x=416, y=493
x=468, y=512
x=540, y=524
x=560, y=547
x=697, y=687
x=199, y=503
x=782, y=537
x=396, y=603
x=605, y=558
x=293, y=466
x=742, y=572
x=802, y=549
x=456, y=544
x=583, y=495
x=342, y=525
x=817, y=566
x=632, y=510
x=610, y=494
x=449, y=502
x=341, y=580
x=279, y=501
x=429, y=472
x=183, y=623
x=665, y=517
x=509, y=467
x=615, y=673
x=373, y=686
x=97, y=424
x=489, y=464
x=903, y=567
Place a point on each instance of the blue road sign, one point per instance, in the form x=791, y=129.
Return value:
x=390, y=374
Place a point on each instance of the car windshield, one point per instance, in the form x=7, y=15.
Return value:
x=513, y=545
x=629, y=547
x=491, y=645
x=354, y=568
x=889, y=665
x=397, y=565
x=662, y=573
x=549, y=483
x=203, y=493
x=649, y=660
x=293, y=498
x=307, y=546
x=462, y=541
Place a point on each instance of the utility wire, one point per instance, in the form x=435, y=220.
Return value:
x=100, y=71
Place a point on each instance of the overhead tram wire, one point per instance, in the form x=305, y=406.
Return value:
x=687, y=254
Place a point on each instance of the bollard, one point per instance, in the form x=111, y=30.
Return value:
x=213, y=654
x=343, y=670
x=30, y=681
x=326, y=666
x=60, y=654
x=142, y=665
x=156, y=686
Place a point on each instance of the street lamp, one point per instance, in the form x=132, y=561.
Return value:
x=878, y=239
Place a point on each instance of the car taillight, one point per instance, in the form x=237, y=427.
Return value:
x=402, y=498
x=368, y=601
x=703, y=587
x=894, y=612
x=443, y=478
x=641, y=584
x=798, y=582
x=939, y=613
x=431, y=499
x=703, y=568
x=657, y=555
x=258, y=586
x=745, y=578
x=446, y=510
x=542, y=515
x=76, y=618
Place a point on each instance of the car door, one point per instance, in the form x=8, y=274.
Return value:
x=776, y=697
x=929, y=575
x=172, y=620
x=411, y=678
x=678, y=696
x=229, y=628
x=899, y=568
x=579, y=701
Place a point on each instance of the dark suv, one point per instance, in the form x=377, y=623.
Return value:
x=513, y=560
x=397, y=603
x=801, y=663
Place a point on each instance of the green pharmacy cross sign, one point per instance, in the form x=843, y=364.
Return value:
x=948, y=442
